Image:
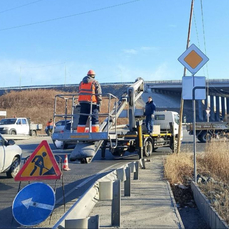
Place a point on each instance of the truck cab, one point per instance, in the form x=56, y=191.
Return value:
x=164, y=118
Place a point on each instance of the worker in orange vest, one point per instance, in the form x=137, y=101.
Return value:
x=49, y=127
x=90, y=92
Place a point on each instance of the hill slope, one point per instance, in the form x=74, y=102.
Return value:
x=37, y=104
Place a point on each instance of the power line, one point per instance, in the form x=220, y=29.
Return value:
x=20, y=6
x=205, y=49
x=72, y=15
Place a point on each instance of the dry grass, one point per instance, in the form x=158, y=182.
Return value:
x=178, y=167
x=213, y=162
x=216, y=160
x=38, y=105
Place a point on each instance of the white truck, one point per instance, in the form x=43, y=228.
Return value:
x=10, y=157
x=19, y=126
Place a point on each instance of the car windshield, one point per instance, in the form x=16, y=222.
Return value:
x=61, y=123
x=7, y=121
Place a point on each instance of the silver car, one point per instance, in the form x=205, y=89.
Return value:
x=60, y=125
x=10, y=157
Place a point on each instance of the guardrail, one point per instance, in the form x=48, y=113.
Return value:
x=105, y=188
x=211, y=217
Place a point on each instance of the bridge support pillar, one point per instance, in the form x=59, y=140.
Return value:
x=227, y=100
x=217, y=116
x=205, y=108
x=223, y=107
x=200, y=110
x=212, y=112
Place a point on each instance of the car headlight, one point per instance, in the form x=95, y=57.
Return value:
x=5, y=128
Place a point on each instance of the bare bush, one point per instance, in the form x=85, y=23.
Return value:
x=177, y=167
x=212, y=163
x=216, y=160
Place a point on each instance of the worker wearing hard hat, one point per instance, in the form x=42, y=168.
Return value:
x=90, y=93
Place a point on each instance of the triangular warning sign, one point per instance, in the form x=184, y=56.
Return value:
x=41, y=165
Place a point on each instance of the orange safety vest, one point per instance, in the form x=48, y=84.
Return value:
x=87, y=92
x=49, y=123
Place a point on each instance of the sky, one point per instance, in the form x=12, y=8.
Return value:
x=49, y=42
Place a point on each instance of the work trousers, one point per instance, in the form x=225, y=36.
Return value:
x=84, y=117
x=149, y=123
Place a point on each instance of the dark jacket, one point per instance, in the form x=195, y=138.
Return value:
x=150, y=108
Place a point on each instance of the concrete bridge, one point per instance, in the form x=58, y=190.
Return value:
x=166, y=94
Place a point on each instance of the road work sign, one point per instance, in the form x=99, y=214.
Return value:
x=33, y=204
x=193, y=59
x=41, y=165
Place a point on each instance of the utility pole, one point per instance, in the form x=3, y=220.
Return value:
x=182, y=101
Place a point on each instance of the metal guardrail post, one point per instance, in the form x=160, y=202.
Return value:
x=90, y=222
x=116, y=204
x=136, y=164
x=105, y=190
x=121, y=175
x=127, y=182
x=132, y=167
x=142, y=163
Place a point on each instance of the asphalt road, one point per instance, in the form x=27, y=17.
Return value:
x=74, y=182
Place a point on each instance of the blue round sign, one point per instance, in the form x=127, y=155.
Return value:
x=33, y=204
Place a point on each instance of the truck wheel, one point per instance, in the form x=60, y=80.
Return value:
x=118, y=152
x=204, y=137
x=13, y=132
x=148, y=147
x=33, y=133
x=14, y=168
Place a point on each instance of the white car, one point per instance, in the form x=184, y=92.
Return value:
x=10, y=157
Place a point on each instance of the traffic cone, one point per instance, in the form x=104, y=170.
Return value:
x=65, y=167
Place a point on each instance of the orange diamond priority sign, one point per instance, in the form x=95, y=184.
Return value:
x=41, y=165
x=193, y=59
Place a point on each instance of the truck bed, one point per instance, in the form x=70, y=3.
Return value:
x=208, y=126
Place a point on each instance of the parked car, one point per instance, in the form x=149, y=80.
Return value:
x=66, y=128
x=60, y=125
x=10, y=157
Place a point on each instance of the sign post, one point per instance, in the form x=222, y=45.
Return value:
x=194, y=87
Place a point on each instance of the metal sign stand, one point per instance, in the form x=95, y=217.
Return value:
x=194, y=137
x=194, y=126
x=193, y=59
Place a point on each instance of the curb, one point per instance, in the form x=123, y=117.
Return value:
x=175, y=206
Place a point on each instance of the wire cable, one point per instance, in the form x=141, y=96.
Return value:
x=17, y=7
x=205, y=49
x=72, y=15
